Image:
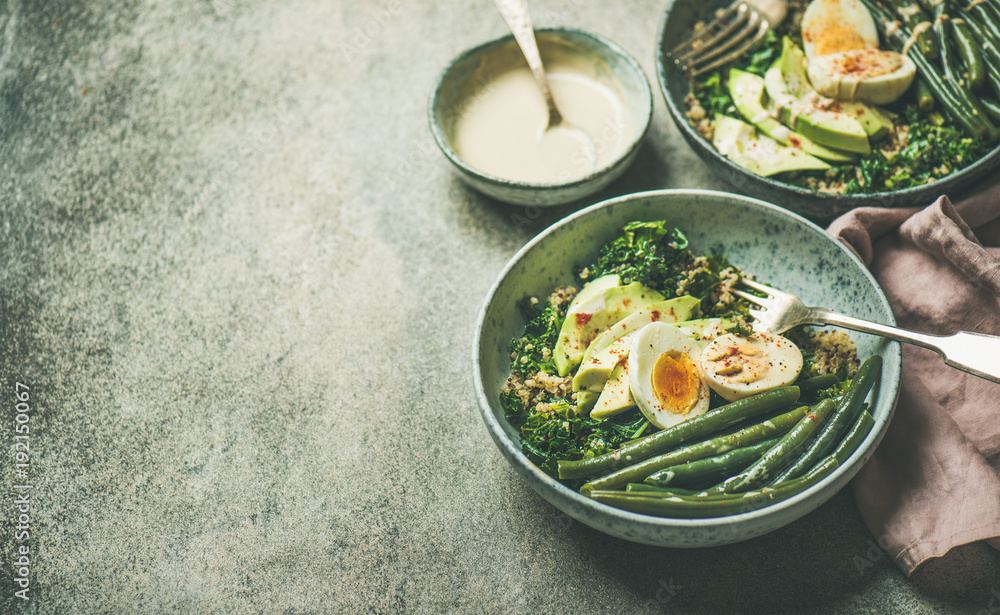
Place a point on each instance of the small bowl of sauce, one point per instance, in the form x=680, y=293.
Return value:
x=488, y=116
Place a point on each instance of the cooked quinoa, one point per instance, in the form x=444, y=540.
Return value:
x=831, y=349
x=562, y=296
x=721, y=297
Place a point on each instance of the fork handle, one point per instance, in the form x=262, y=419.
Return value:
x=975, y=353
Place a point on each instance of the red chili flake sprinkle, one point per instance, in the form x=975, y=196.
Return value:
x=582, y=318
x=655, y=315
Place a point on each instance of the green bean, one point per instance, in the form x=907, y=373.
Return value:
x=968, y=51
x=990, y=25
x=688, y=505
x=990, y=14
x=817, y=383
x=922, y=93
x=859, y=431
x=941, y=32
x=991, y=107
x=686, y=431
x=952, y=98
x=867, y=378
x=912, y=15
x=665, y=504
x=644, y=488
x=991, y=54
x=791, y=446
x=711, y=469
x=700, y=450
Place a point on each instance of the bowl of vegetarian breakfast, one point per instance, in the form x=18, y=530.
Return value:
x=620, y=372
x=843, y=103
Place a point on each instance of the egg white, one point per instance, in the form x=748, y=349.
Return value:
x=832, y=26
x=648, y=344
x=737, y=366
x=867, y=75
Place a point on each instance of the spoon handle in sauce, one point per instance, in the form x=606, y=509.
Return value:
x=515, y=13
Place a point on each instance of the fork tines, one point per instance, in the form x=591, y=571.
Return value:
x=752, y=298
x=757, y=286
x=732, y=34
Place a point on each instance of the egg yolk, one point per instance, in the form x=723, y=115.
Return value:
x=676, y=382
x=836, y=38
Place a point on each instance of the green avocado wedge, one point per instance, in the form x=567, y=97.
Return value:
x=793, y=63
x=593, y=316
x=672, y=310
x=798, y=106
x=747, y=92
x=757, y=153
x=834, y=130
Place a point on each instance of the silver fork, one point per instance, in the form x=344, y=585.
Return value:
x=727, y=37
x=975, y=353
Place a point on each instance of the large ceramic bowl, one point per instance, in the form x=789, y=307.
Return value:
x=461, y=85
x=678, y=21
x=779, y=247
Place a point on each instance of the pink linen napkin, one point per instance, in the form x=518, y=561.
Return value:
x=934, y=482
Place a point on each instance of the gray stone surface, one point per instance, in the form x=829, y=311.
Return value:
x=241, y=283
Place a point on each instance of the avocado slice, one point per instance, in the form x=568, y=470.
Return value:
x=835, y=130
x=615, y=396
x=747, y=92
x=595, y=369
x=593, y=316
x=585, y=401
x=671, y=310
x=759, y=154
x=704, y=330
x=793, y=63
x=593, y=288
x=799, y=107
x=875, y=121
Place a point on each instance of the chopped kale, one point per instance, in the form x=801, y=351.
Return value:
x=764, y=54
x=711, y=92
x=559, y=434
x=532, y=352
x=646, y=252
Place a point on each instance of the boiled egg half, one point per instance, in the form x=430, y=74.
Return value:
x=833, y=26
x=844, y=62
x=738, y=366
x=663, y=374
x=866, y=75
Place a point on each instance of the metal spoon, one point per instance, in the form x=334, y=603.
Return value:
x=558, y=129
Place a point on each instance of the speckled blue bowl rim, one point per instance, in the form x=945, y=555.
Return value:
x=577, y=503
x=839, y=203
x=452, y=155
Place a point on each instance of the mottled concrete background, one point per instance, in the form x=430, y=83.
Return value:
x=240, y=283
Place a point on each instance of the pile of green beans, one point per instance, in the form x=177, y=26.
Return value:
x=748, y=469
x=955, y=45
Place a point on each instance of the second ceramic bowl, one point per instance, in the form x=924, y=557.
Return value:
x=676, y=26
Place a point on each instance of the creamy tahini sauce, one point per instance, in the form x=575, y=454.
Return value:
x=499, y=129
